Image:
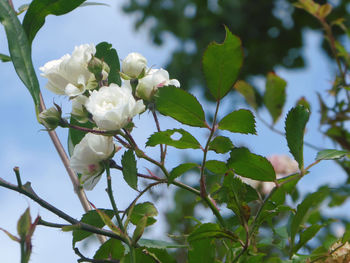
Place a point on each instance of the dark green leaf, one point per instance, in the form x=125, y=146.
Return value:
x=295, y=127
x=23, y=224
x=105, y=52
x=241, y=121
x=330, y=154
x=250, y=165
x=161, y=254
x=140, y=257
x=74, y=135
x=220, y=144
x=129, y=168
x=180, y=169
x=306, y=235
x=208, y=230
x=143, y=209
x=248, y=93
x=111, y=249
x=20, y=51
x=216, y=167
x=91, y=218
x=180, y=105
x=39, y=9
x=221, y=65
x=5, y=58
x=203, y=251
x=165, y=137
x=275, y=95
x=158, y=244
x=303, y=210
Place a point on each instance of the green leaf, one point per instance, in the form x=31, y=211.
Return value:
x=105, y=52
x=303, y=210
x=241, y=121
x=39, y=9
x=330, y=154
x=93, y=4
x=203, y=251
x=306, y=235
x=179, y=170
x=24, y=224
x=250, y=165
x=275, y=95
x=12, y=237
x=74, y=135
x=295, y=127
x=208, y=230
x=140, y=228
x=5, y=58
x=161, y=254
x=130, y=169
x=165, y=137
x=91, y=218
x=158, y=244
x=216, y=167
x=247, y=92
x=111, y=249
x=180, y=105
x=143, y=209
x=221, y=64
x=20, y=51
x=140, y=257
x=220, y=144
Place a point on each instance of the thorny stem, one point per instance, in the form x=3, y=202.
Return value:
x=65, y=160
x=28, y=191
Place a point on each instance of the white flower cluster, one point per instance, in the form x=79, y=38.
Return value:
x=111, y=107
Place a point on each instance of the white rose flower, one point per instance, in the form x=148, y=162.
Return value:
x=112, y=107
x=134, y=64
x=88, y=155
x=153, y=80
x=69, y=75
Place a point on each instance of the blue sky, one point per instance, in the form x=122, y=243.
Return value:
x=23, y=144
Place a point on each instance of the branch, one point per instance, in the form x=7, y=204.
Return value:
x=85, y=259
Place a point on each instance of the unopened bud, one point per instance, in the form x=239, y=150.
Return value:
x=50, y=118
x=99, y=68
x=134, y=65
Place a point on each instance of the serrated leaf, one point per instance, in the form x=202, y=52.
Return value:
x=23, y=224
x=303, y=210
x=74, y=135
x=275, y=95
x=130, y=169
x=105, y=52
x=20, y=51
x=180, y=105
x=208, y=230
x=330, y=154
x=216, y=167
x=250, y=165
x=158, y=244
x=240, y=121
x=91, y=218
x=165, y=137
x=220, y=144
x=5, y=58
x=39, y=9
x=111, y=249
x=143, y=209
x=179, y=170
x=306, y=235
x=203, y=251
x=221, y=64
x=247, y=92
x=295, y=127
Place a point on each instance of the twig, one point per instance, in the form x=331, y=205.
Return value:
x=162, y=150
x=85, y=259
x=18, y=176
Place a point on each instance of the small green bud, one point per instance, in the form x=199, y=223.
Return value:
x=99, y=68
x=51, y=118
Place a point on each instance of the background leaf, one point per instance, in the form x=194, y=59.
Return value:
x=203, y=251
x=130, y=169
x=331, y=154
x=143, y=209
x=179, y=170
x=248, y=92
x=295, y=127
x=240, y=121
x=105, y=52
x=250, y=165
x=220, y=144
x=20, y=51
x=164, y=137
x=180, y=105
x=91, y=218
x=39, y=9
x=275, y=95
x=221, y=64
x=151, y=243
